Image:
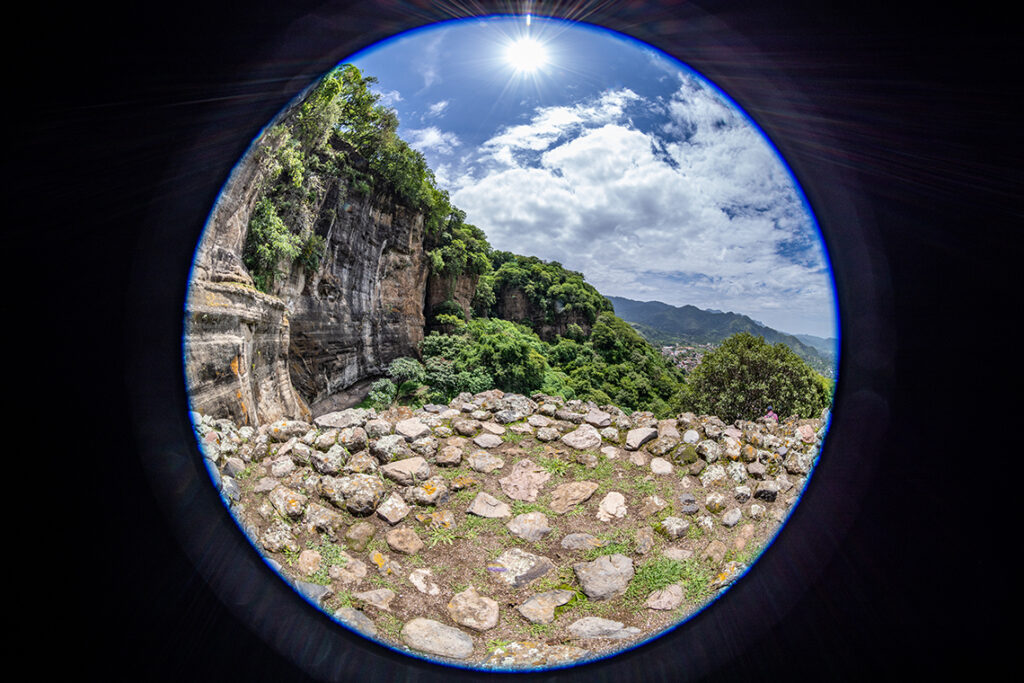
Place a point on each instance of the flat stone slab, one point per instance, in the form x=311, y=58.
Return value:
x=582, y=541
x=353, y=417
x=661, y=466
x=356, y=620
x=380, y=598
x=524, y=481
x=473, y=610
x=404, y=540
x=393, y=510
x=533, y=655
x=486, y=505
x=408, y=471
x=596, y=627
x=540, y=609
x=488, y=440
x=584, y=437
x=484, y=462
x=412, y=429
x=635, y=438
x=566, y=496
x=433, y=637
x=667, y=598
x=606, y=577
x=517, y=567
x=613, y=506
x=530, y=526
x=423, y=580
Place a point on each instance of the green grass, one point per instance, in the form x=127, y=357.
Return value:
x=521, y=507
x=654, y=575
x=389, y=625
x=610, y=549
x=445, y=535
x=555, y=466
x=513, y=437
x=696, y=580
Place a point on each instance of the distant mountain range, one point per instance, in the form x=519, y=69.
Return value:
x=663, y=324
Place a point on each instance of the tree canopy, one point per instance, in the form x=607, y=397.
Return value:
x=745, y=376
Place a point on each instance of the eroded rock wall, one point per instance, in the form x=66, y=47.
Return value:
x=364, y=306
x=257, y=357
x=458, y=288
x=513, y=304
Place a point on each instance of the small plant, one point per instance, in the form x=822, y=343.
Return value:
x=496, y=643
x=555, y=466
x=539, y=630
x=390, y=625
x=441, y=534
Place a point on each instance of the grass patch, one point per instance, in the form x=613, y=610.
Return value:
x=389, y=625
x=513, y=437
x=620, y=548
x=653, y=576
x=521, y=507
x=696, y=580
x=445, y=535
x=464, y=497
x=556, y=466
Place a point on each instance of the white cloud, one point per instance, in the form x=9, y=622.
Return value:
x=388, y=97
x=432, y=138
x=436, y=109
x=698, y=211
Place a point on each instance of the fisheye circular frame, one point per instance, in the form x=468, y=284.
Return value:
x=317, y=644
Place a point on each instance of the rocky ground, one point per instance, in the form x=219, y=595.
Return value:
x=505, y=531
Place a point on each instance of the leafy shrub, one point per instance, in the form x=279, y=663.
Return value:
x=267, y=242
x=382, y=393
x=745, y=375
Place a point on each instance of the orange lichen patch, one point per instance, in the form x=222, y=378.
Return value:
x=463, y=481
x=234, y=365
x=429, y=487
x=378, y=558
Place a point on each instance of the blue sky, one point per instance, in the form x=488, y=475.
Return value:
x=613, y=159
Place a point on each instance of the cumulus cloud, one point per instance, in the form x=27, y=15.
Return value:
x=432, y=138
x=436, y=109
x=697, y=209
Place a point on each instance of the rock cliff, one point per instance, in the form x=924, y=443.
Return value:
x=257, y=357
x=513, y=304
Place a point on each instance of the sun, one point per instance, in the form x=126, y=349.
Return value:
x=526, y=55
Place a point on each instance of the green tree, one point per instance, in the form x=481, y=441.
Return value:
x=745, y=375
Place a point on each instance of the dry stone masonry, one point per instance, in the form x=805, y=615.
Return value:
x=506, y=531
